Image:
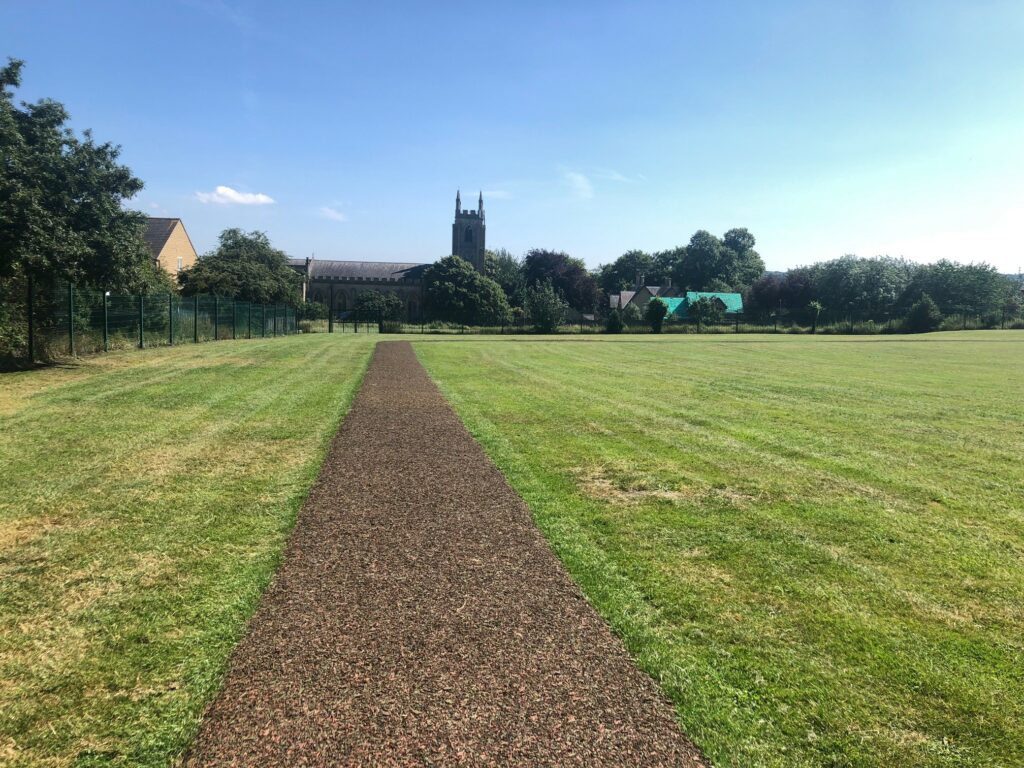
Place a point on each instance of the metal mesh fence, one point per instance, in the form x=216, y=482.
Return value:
x=67, y=320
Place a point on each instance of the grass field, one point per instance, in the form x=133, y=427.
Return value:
x=145, y=500
x=815, y=545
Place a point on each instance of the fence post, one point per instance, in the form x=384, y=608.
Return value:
x=248, y=322
x=330, y=314
x=234, y=319
x=31, y=322
x=106, y=323
x=263, y=321
x=275, y=320
x=71, y=318
x=142, y=318
x=195, y=319
x=216, y=318
x=170, y=319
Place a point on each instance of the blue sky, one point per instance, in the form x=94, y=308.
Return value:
x=824, y=127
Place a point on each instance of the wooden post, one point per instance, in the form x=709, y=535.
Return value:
x=195, y=319
x=170, y=319
x=248, y=334
x=216, y=317
x=142, y=324
x=330, y=313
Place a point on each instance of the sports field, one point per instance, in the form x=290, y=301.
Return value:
x=815, y=545
x=146, y=499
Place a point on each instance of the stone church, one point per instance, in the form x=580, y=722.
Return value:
x=339, y=283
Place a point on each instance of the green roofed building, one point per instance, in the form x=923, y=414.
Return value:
x=731, y=303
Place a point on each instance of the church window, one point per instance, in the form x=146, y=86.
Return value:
x=468, y=237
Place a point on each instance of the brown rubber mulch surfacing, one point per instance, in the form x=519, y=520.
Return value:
x=419, y=617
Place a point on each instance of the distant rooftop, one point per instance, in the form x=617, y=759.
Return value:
x=156, y=233
x=359, y=270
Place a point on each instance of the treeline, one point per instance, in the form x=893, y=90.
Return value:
x=883, y=288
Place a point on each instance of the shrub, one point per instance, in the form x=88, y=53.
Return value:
x=924, y=316
x=655, y=314
x=545, y=307
x=614, y=322
x=377, y=304
x=705, y=311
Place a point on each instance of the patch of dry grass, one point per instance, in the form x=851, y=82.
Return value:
x=147, y=496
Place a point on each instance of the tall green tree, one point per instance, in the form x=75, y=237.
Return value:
x=387, y=304
x=455, y=292
x=655, y=314
x=712, y=264
x=568, y=276
x=244, y=266
x=959, y=289
x=61, y=201
x=622, y=273
x=507, y=271
x=545, y=307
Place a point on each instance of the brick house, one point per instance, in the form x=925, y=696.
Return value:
x=169, y=244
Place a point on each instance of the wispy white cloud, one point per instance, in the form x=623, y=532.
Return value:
x=497, y=194
x=331, y=213
x=579, y=183
x=227, y=196
x=608, y=174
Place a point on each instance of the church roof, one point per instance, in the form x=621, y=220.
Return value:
x=360, y=270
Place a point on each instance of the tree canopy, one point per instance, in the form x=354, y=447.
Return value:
x=879, y=288
x=545, y=307
x=388, y=305
x=622, y=273
x=655, y=313
x=712, y=264
x=507, y=271
x=61, y=196
x=705, y=311
x=568, y=276
x=244, y=266
x=455, y=292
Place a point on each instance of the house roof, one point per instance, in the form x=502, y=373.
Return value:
x=677, y=306
x=733, y=301
x=625, y=297
x=359, y=270
x=157, y=233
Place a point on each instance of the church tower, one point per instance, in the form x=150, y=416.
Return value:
x=468, y=233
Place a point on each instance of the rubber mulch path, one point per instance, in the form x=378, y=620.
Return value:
x=419, y=617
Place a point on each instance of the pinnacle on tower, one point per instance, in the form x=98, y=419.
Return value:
x=458, y=202
x=480, y=204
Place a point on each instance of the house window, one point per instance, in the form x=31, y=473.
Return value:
x=180, y=261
